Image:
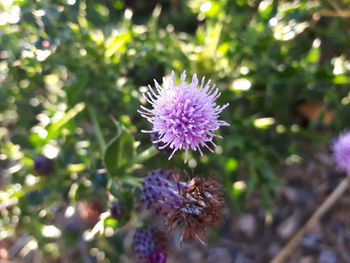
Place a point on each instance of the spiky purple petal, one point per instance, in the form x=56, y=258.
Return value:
x=341, y=151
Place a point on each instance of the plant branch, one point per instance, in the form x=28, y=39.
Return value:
x=282, y=256
x=142, y=157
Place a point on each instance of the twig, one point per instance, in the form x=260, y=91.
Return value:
x=326, y=205
x=335, y=5
x=98, y=228
x=21, y=242
x=175, y=5
x=331, y=13
x=82, y=248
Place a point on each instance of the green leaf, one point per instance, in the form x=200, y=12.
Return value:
x=231, y=165
x=120, y=150
x=111, y=222
x=54, y=129
x=265, y=9
x=65, y=118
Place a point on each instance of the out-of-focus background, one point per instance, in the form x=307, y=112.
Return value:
x=69, y=67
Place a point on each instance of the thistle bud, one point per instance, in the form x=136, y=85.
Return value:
x=118, y=211
x=43, y=166
x=161, y=191
x=150, y=245
x=157, y=257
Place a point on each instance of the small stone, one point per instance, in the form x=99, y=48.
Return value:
x=247, y=224
x=327, y=256
x=288, y=226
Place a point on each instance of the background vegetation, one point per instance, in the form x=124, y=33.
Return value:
x=68, y=68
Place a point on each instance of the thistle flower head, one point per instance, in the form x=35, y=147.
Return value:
x=184, y=116
x=193, y=205
x=150, y=245
x=341, y=151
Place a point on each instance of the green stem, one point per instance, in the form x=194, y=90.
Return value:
x=136, y=181
x=142, y=157
x=97, y=129
x=217, y=32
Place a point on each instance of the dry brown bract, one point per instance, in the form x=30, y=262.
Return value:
x=200, y=208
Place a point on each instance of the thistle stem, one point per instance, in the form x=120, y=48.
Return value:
x=142, y=157
x=97, y=129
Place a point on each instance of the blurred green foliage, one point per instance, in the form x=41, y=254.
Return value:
x=68, y=68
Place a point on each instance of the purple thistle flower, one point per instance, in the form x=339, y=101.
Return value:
x=194, y=205
x=341, y=151
x=184, y=115
x=159, y=145
x=150, y=245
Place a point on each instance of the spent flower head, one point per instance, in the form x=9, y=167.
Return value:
x=184, y=115
x=150, y=245
x=341, y=151
x=193, y=205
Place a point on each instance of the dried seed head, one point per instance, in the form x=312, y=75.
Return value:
x=150, y=245
x=194, y=205
x=200, y=208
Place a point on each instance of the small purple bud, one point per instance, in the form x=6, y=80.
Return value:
x=43, y=166
x=157, y=257
x=150, y=245
x=118, y=210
